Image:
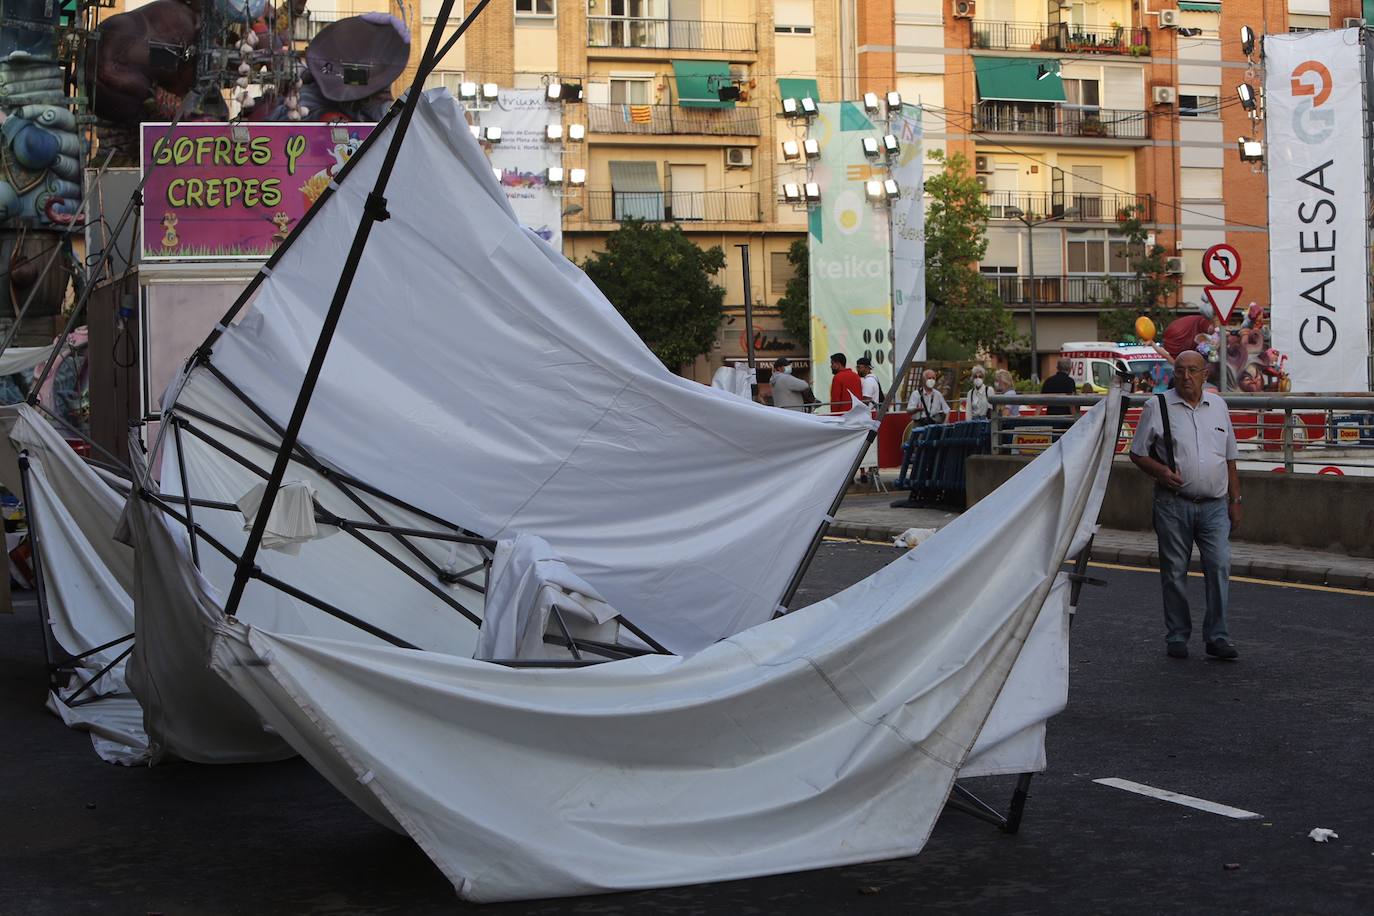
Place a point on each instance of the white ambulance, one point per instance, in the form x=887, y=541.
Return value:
x=1094, y=361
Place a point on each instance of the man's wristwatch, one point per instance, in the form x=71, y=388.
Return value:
x=1233, y=500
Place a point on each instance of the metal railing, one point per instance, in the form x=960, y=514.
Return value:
x=673, y=206
x=1061, y=120
x=673, y=119
x=1066, y=290
x=1310, y=433
x=684, y=34
x=1082, y=208
x=1060, y=37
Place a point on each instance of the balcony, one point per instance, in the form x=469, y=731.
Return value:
x=1046, y=120
x=1083, y=289
x=675, y=34
x=1073, y=208
x=673, y=119
x=1060, y=38
x=673, y=206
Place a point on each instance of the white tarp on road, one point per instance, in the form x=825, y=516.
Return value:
x=829, y=736
x=88, y=576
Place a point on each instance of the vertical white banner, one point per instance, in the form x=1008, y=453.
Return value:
x=524, y=157
x=909, y=235
x=1314, y=117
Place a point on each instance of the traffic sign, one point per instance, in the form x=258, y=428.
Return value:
x=1221, y=264
x=1222, y=299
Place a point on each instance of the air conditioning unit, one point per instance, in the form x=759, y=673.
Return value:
x=982, y=181
x=1354, y=23
x=964, y=9
x=738, y=157
x=1173, y=266
x=1165, y=95
x=981, y=165
x=1169, y=19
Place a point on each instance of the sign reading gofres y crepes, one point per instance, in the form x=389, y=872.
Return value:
x=210, y=196
x=1314, y=102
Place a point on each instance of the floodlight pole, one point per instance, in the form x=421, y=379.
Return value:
x=749, y=323
x=374, y=211
x=888, y=398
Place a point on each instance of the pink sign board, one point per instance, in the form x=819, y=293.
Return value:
x=210, y=196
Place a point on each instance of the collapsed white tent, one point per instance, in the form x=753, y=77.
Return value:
x=828, y=736
x=832, y=735
x=87, y=576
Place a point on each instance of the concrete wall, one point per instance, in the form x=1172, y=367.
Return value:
x=1300, y=510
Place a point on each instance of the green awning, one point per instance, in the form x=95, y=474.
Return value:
x=798, y=89
x=699, y=83
x=1016, y=79
x=1202, y=7
x=1367, y=10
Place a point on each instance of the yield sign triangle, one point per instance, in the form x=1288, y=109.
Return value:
x=1222, y=299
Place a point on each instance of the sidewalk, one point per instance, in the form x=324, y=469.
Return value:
x=868, y=516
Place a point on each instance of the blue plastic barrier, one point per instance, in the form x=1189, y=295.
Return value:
x=933, y=460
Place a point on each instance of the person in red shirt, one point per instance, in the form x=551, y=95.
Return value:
x=846, y=382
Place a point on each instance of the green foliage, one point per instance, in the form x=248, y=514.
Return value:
x=969, y=316
x=795, y=304
x=661, y=283
x=1151, y=289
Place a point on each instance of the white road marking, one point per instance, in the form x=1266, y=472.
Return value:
x=1200, y=804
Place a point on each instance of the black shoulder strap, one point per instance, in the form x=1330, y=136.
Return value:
x=1168, y=432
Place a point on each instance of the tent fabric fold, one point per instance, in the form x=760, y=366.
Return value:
x=829, y=736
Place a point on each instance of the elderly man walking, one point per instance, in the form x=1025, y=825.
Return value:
x=1184, y=440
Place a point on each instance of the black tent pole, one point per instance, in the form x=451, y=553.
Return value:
x=374, y=211
x=795, y=582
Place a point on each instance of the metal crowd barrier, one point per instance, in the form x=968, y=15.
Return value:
x=1308, y=433
x=934, y=458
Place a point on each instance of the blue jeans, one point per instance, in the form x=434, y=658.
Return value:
x=1179, y=523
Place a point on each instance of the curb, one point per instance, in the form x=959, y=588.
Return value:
x=1306, y=573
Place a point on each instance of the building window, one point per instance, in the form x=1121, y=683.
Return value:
x=536, y=7
x=780, y=271
x=1096, y=253
x=447, y=79
x=631, y=90
x=1199, y=106
x=792, y=29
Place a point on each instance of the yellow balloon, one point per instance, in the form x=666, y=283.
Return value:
x=1145, y=329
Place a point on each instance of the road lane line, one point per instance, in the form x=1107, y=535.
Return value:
x=1189, y=801
x=1277, y=583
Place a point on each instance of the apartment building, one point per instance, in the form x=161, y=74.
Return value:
x=1072, y=111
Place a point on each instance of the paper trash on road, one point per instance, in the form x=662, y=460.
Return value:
x=1323, y=834
x=912, y=537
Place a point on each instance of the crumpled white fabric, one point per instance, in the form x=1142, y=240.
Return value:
x=527, y=580
x=829, y=736
x=292, y=520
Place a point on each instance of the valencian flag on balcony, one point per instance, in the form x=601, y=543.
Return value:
x=639, y=114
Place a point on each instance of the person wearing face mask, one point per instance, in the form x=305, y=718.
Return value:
x=926, y=404
x=788, y=390
x=976, y=406
x=872, y=390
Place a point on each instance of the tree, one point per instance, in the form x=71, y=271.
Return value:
x=661, y=283
x=1148, y=291
x=795, y=304
x=969, y=315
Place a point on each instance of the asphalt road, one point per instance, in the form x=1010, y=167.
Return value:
x=1284, y=732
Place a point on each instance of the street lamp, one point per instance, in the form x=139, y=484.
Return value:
x=1019, y=215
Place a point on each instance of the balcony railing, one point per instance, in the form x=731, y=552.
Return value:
x=673, y=206
x=673, y=119
x=683, y=34
x=1067, y=290
x=1082, y=208
x=1061, y=121
x=1061, y=38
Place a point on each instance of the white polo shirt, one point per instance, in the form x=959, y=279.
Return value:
x=1203, y=441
